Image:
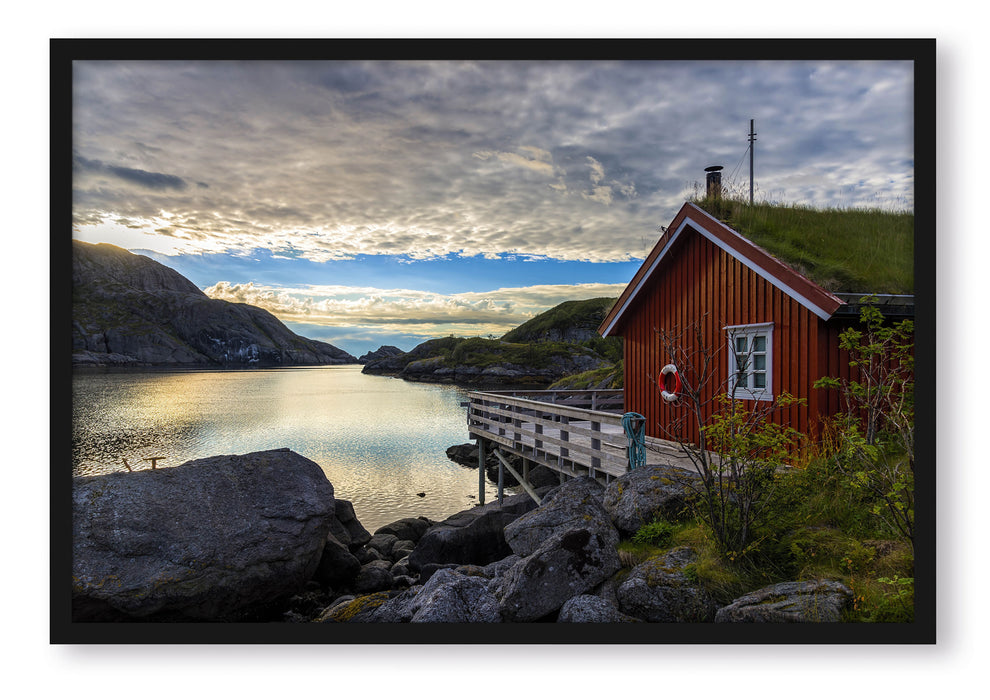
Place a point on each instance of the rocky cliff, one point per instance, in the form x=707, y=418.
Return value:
x=129, y=309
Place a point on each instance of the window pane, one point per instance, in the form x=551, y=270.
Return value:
x=742, y=379
x=760, y=380
x=760, y=343
x=760, y=362
x=741, y=344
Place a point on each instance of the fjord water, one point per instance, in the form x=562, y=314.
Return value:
x=381, y=441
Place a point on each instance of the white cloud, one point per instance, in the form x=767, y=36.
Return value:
x=415, y=312
x=329, y=161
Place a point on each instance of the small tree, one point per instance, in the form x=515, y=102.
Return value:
x=876, y=433
x=740, y=447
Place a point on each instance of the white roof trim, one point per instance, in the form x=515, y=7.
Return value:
x=803, y=300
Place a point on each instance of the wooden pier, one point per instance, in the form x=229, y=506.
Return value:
x=574, y=433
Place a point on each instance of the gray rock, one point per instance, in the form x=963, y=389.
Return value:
x=401, y=549
x=793, y=601
x=373, y=576
x=367, y=554
x=473, y=536
x=450, y=596
x=591, y=608
x=338, y=566
x=638, y=497
x=497, y=568
x=659, y=590
x=211, y=539
x=346, y=528
x=383, y=606
x=383, y=544
x=411, y=529
x=401, y=567
x=566, y=565
x=576, y=503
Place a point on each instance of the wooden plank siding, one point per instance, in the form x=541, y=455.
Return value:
x=701, y=285
x=702, y=274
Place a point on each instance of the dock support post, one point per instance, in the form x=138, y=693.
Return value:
x=501, y=475
x=522, y=481
x=481, y=471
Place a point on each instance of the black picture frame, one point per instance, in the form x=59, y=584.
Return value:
x=62, y=54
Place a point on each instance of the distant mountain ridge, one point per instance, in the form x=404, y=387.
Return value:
x=556, y=344
x=128, y=309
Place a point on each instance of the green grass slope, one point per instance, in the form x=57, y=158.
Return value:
x=842, y=250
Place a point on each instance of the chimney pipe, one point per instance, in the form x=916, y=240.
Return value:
x=713, y=182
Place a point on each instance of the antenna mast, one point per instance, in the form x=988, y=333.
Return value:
x=752, y=141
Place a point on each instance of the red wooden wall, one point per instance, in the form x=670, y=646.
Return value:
x=700, y=285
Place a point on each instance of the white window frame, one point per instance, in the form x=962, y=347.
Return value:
x=750, y=392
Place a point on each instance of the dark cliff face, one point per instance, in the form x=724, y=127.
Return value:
x=129, y=309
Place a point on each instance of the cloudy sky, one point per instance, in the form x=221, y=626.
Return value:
x=370, y=203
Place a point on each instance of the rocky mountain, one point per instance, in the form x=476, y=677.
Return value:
x=561, y=342
x=128, y=309
x=570, y=322
x=382, y=353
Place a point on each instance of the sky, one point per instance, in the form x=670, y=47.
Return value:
x=386, y=203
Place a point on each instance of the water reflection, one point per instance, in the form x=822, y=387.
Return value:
x=380, y=441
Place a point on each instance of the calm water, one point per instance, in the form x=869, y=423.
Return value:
x=380, y=441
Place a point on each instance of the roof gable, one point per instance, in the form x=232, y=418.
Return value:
x=693, y=219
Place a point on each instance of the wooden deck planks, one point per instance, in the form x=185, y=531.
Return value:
x=565, y=438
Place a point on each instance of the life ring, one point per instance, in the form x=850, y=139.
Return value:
x=669, y=396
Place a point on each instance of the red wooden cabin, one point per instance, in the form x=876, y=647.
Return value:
x=767, y=328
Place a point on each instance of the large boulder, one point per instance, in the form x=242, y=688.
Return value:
x=642, y=495
x=793, y=601
x=473, y=536
x=661, y=590
x=576, y=503
x=567, y=564
x=211, y=539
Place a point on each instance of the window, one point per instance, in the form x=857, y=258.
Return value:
x=751, y=362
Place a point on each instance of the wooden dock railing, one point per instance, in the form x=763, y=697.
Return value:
x=564, y=430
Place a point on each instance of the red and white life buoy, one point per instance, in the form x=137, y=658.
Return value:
x=669, y=396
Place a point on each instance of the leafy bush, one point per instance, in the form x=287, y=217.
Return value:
x=657, y=533
x=875, y=437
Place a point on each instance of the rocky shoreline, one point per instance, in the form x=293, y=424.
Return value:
x=260, y=537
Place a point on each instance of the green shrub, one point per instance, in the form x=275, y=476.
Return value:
x=657, y=533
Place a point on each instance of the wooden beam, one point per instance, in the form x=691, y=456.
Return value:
x=481, y=471
x=503, y=462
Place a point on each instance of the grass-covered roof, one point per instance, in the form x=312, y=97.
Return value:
x=841, y=250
